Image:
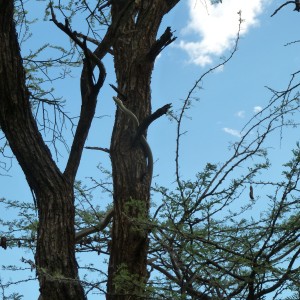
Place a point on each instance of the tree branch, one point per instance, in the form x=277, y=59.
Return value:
x=16, y=119
x=120, y=94
x=170, y=4
x=87, y=231
x=89, y=93
x=97, y=148
x=165, y=40
x=168, y=275
x=297, y=8
x=147, y=121
x=89, y=89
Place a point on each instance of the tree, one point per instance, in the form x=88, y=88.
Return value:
x=199, y=253
x=133, y=27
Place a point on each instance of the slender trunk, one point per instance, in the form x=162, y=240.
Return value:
x=55, y=254
x=127, y=272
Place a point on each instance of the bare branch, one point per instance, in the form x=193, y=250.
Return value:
x=146, y=123
x=98, y=148
x=296, y=2
x=165, y=40
x=186, y=102
x=99, y=227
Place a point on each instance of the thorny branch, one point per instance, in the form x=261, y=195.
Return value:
x=187, y=102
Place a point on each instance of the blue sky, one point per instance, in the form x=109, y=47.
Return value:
x=227, y=99
x=231, y=96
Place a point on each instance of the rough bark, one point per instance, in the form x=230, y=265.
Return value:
x=134, y=53
x=55, y=254
x=133, y=36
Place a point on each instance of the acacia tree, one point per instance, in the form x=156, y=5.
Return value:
x=199, y=252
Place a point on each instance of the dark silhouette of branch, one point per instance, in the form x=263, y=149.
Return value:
x=108, y=3
x=173, y=278
x=147, y=121
x=89, y=93
x=187, y=100
x=297, y=6
x=99, y=227
x=97, y=148
x=170, y=4
x=165, y=40
x=89, y=89
x=120, y=94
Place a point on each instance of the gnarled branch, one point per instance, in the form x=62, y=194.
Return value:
x=165, y=40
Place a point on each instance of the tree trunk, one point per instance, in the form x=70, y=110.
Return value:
x=134, y=53
x=55, y=254
x=132, y=33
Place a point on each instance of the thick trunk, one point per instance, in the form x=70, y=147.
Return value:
x=55, y=255
x=128, y=261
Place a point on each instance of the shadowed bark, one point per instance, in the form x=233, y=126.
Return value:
x=134, y=51
x=55, y=253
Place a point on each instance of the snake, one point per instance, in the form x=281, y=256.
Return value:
x=143, y=140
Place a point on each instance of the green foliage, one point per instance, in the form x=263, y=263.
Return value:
x=20, y=231
x=209, y=241
x=130, y=284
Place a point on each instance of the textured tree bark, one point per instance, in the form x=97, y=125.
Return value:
x=134, y=63
x=133, y=35
x=55, y=254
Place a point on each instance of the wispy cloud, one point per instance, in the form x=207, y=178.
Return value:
x=257, y=109
x=217, y=26
x=240, y=114
x=231, y=131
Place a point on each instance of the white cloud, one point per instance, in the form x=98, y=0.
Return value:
x=240, y=114
x=257, y=109
x=231, y=131
x=217, y=26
